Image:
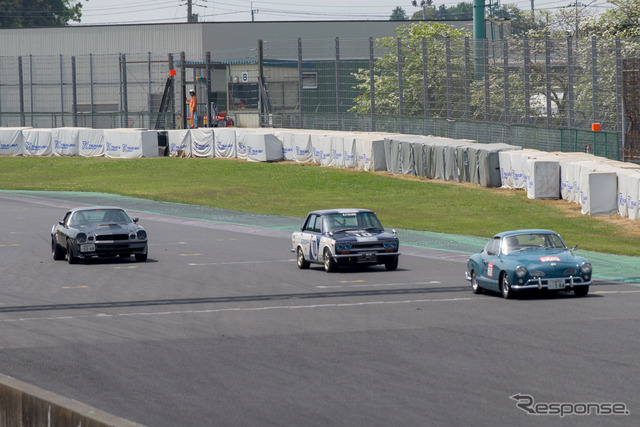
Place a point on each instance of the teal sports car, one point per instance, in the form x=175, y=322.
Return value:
x=520, y=260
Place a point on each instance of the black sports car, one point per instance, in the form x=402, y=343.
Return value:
x=98, y=231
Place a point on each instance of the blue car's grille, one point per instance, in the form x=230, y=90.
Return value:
x=540, y=273
x=367, y=247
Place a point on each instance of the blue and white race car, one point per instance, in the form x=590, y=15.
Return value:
x=344, y=236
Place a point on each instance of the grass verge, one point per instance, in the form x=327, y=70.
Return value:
x=294, y=189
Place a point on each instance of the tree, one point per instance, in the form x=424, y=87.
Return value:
x=460, y=12
x=623, y=20
x=38, y=13
x=386, y=70
x=398, y=14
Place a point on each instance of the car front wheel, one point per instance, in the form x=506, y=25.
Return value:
x=581, y=291
x=303, y=264
x=329, y=262
x=71, y=255
x=392, y=264
x=505, y=287
x=474, y=284
x=141, y=257
x=56, y=250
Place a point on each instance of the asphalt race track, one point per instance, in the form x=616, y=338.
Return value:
x=221, y=328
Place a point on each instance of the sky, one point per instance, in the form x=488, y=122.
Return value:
x=97, y=12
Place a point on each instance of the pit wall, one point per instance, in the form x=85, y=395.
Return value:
x=25, y=405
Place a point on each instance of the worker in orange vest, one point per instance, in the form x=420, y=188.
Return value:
x=193, y=107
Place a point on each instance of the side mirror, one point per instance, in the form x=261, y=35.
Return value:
x=61, y=222
x=491, y=253
x=135, y=220
x=574, y=248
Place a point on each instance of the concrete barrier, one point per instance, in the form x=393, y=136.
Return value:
x=25, y=405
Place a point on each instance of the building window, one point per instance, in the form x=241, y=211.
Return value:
x=309, y=80
x=243, y=95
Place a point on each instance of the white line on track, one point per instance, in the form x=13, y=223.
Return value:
x=616, y=292
x=365, y=285
x=167, y=244
x=238, y=262
x=248, y=309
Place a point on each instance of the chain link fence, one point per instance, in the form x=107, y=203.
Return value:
x=541, y=93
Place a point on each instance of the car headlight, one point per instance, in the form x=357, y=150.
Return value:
x=81, y=237
x=142, y=235
x=343, y=247
x=521, y=271
x=585, y=267
x=391, y=244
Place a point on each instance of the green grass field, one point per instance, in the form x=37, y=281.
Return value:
x=295, y=189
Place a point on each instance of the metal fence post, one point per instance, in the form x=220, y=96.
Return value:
x=149, y=87
x=208, y=84
x=91, y=90
x=400, y=85
x=372, y=85
x=527, y=76
x=487, y=94
x=300, y=97
x=467, y=78
x=62, y=89
x=547, y=61
x=425, y=83
x=31, y=87
x=21, y=90
x=447, y=47
x=183, y=91
x=570, y=72
x=507, y=118
x=74, y=92
x=619, y=98
x=125, y=98
x=172, y=97
x=594, y=77
x=337, y=71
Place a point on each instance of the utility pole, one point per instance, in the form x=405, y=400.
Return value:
x=423, y=5
x=190, y=16
x=253, y=12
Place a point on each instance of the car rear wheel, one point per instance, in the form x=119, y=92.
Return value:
x=474, y=284
x=56, y=251
x=302, y=263
x=581, y=291
x=71, y=255
x=141, y=257
x=329, y=262
x=505, y=287
x=392, y=264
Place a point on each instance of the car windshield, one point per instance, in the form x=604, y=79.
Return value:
x=522, y=242
x=351, y=221
x=100, y=216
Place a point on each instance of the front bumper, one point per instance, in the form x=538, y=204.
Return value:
x=365, y=257
x=540, y=283
x=109, y=249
